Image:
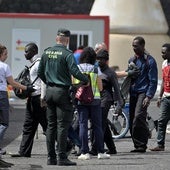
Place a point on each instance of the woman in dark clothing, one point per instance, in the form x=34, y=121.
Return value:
x=92, y=110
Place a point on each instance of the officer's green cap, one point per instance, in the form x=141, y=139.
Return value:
x=63, y=32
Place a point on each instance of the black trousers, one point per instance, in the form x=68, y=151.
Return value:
x=35, y=114
x=138, y=124
x=106, y=130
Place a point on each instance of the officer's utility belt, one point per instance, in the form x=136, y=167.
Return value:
x=58, y=85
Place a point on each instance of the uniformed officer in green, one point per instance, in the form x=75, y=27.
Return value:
x=55, y=69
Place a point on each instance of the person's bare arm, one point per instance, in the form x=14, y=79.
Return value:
x=129, y=72
x=121, y=74
x=160, y=94
x=15, y=84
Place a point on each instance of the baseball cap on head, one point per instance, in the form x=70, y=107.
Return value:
x=63, y=32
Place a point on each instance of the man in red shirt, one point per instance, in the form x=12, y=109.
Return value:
x=164, y=99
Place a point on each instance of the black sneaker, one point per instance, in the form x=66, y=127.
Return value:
x=65, y=162
x=111, y=152
x=18, y=155
x=92, y=152
x=140, y=150
x=51, y=161
x=4, y=164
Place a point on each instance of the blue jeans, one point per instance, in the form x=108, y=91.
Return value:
x=163, y=121
x=2, y=131
x=94, y=113
x=4, y=113
x=73, y=136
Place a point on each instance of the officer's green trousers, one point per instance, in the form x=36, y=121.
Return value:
x=59, y=117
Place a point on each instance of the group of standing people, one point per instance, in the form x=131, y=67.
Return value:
x=56, y=69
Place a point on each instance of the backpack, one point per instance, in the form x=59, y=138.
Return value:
x=24, y=78
x=84, y=94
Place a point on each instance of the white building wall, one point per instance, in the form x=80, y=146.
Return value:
x=48, y=25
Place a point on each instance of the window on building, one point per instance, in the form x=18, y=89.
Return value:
x=79, y=38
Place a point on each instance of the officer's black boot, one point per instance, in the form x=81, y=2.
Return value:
x=64, y=161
